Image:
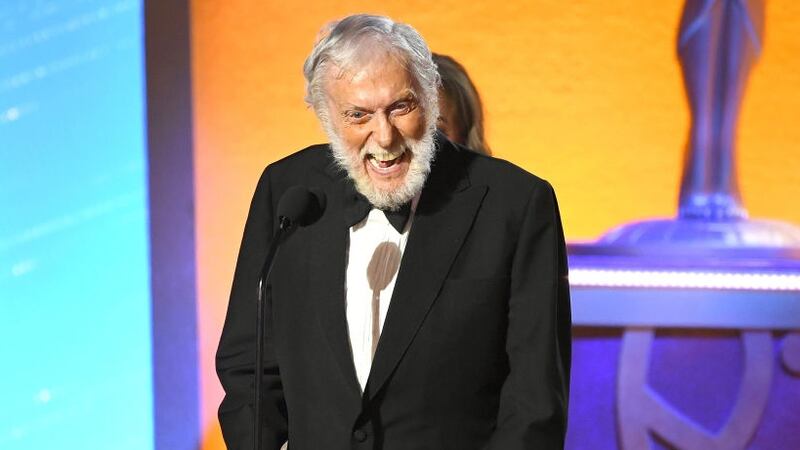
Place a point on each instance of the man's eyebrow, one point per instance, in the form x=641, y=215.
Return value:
x=350, y=106
x=407, y=95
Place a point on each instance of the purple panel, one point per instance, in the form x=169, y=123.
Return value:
x=698, y=372
x=171, y=178
x=595, y=354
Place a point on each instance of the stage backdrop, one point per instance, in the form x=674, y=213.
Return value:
x=75, y=298
x=586, y=95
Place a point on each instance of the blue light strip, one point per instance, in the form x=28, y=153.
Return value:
x=753, y=281
x=75, y=312
x=685, y=308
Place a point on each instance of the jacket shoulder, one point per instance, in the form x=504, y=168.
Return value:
x=502, y=176
x=312, y=166
x=314, y=158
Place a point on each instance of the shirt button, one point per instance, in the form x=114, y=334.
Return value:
x=360, y=435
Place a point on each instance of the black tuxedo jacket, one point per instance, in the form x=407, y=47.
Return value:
x=475, y=349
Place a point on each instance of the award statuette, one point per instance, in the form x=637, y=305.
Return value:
x=718, y=43
x=711, y=268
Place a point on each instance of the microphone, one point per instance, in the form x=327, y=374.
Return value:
x=298, y=206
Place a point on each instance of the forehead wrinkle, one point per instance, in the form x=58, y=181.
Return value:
x=373, y=86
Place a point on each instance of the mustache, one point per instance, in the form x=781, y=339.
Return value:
x=351, y=160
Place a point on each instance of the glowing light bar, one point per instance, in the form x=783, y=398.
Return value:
x=684, y=279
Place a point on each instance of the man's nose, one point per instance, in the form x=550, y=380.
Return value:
x=384, y=131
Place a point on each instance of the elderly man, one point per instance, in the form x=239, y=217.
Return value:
x=428, y=308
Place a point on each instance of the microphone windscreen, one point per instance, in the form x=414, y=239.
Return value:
x=302, y=206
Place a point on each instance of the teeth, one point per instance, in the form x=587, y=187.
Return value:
x=386, y=156
x=381, y=164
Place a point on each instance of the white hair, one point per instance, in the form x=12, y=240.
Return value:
x=355, y=38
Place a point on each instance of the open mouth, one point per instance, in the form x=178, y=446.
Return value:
x=385, y=161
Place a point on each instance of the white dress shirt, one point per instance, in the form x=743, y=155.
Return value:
x=374, y=255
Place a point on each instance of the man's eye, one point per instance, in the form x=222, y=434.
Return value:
x=402, y=108
x=355, y=115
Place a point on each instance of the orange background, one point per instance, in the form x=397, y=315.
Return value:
x=586, y=94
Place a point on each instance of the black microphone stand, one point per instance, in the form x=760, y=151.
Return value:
x=284, y=226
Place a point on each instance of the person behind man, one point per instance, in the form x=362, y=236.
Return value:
x=428, y=308
x=460, y=106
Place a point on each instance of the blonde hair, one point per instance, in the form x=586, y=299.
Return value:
x=459, y=89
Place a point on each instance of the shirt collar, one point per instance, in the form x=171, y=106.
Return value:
x=356, y=207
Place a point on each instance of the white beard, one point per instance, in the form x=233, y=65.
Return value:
x=422, y=152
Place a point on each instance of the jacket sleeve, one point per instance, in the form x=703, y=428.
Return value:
x=534, y=396
x=235, y=357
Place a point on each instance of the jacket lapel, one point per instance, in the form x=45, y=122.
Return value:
x=330, y=261
x=445, y=213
